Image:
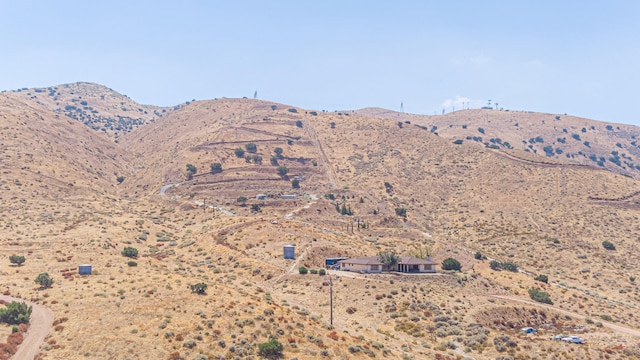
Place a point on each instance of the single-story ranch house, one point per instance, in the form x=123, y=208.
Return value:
x=370, y=264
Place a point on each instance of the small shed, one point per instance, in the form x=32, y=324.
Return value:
x=289, y=252
x=84, y=269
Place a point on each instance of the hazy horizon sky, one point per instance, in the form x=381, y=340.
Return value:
x=576, y=57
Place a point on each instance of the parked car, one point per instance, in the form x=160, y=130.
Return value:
x=573, y=340
x=558, y=337
x=529, y=330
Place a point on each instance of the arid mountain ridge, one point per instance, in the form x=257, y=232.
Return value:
x=85, y=183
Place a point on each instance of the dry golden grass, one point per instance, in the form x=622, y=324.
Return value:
x=547, y=216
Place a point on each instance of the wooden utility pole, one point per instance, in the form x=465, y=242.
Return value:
x=331, y=301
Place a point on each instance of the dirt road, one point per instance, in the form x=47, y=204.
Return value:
x=614, y=327
x=41, y=321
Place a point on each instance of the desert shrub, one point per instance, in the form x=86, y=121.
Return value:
x=299, y=123
x=501, y=343
x=509, y=266
x=216, y=168
x=458, y=142
x=271, y=349
x=481, y=130
x=477, y=255
x=283, y=170
x=120, y=179
x=251, y=147
x=451, y=264
x=191, y=168
x=351, y=310
x=278, y=151
x=333, y=125
x=313, y=271
x=274, y=160
x=255, y=207
x=540, y=296
x=608, y=245
x=543, y=278
x=303, y=270
x=132, y=263
x=322, y=272
x=401, y=212
x=17, y=259
x=295, y=183
x=241, y=199
x=15, y=313
x=292, y=110
x=199, y=288
x=239, y=152
x=44, y=280
x=130, y=252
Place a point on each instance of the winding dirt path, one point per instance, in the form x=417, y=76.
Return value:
x=614, y=327
x=41, y=322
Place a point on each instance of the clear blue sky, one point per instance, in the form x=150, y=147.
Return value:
x=575, y=57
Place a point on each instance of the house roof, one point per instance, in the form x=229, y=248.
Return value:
x=373, y=260
x=409, y=260
x=365, y=260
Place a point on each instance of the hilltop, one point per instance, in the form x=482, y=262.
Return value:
x=614, y=147
x=97, y=106
x=182, y=189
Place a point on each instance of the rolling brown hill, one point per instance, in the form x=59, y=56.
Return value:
x=97, y=106
x=408, y=189
x=614, y=147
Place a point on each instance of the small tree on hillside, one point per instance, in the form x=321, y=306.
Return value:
x=451, y=264
x=278, y=151
x=239, y=152
x=295, y=183
x=251, y=147
x=130, y=252
x=191, y=170
x=17, y=259
x=44, y=280
x=15, y=313
x=283, y=170
x=389, y=258
x=271, y=349
x=540, y=296
x=216, y=168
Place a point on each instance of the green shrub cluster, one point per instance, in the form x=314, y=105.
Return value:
x=507, y=265
x=15, y=313
x=540, y=296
